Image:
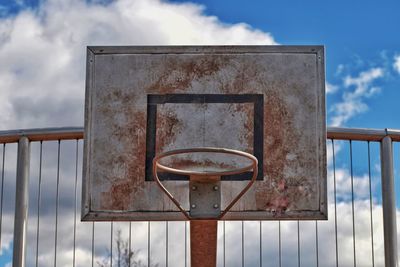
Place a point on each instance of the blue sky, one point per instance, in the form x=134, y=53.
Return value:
x=357, y=35
x=347, y=28
x=42, y=54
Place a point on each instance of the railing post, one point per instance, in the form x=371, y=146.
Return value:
x=21, y=203
x=388, y=203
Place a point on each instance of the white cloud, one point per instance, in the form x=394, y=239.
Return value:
x=396, y=64
x=362, y=83
x=20, y=3
x=331, y=88
x=353, y=102
x=345, y=110
x=343, y=185
x=43, y=52
x=7, y=235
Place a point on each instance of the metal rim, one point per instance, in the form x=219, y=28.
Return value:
x=254, y=167
x=159, y=166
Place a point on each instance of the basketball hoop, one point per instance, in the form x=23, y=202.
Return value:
x=204, y=186
x=205, y=173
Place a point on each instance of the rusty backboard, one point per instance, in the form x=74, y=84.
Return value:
x=265, y=100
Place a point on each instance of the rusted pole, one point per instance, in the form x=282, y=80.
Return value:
x=203, y=243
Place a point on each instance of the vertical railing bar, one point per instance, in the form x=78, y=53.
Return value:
x=21, y=203
x=57, y=199
x=92, y=244
x=298, y=243
x=370, y=206
x=166, y=244
x=334, y=195
x=111, y=243
x=224, y=244
x=260, y=243
x=130, y=245
x=148, y=244
x=280, y=244
x=242, y=243
x=38, y=203
x=352, y=204
x=316, y=243
x=75, y=199
x=2, y=190
x=186, y=244
x=388, y=202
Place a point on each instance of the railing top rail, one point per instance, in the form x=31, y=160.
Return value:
x=70, y=133
x=42, y=134
x=362, y=134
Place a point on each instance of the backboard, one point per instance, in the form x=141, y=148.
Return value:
x=268, y=101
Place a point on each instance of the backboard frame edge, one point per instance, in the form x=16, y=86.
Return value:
x=89, y=215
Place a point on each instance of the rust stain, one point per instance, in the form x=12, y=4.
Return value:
x=190, y=164
x=248, y=135
x=243, y=78
x=273, y=195
x=282, y=185
x=128, y=128
x=279, y=204
x=168, y=125
x=179, y=73
x=203, y=241
x=118, y=195
x=247, y=73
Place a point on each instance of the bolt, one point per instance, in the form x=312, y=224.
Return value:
x=216, y=188
x=193, y=206
x=194, y=188
x=216, y=206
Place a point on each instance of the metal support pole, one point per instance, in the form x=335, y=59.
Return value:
x=21, y=203
x=388, y=202
x=203, y=243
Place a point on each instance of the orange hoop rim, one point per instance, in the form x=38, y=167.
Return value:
x=158, y=166
x=253, y=166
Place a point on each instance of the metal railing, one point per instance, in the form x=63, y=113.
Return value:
x=55, y=181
